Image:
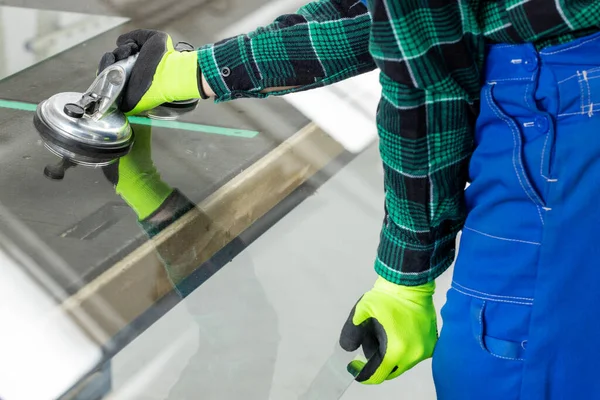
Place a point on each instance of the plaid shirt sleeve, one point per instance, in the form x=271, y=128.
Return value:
x=322, y=43
x=430, y=54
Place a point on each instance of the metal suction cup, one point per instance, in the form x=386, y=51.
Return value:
x=88, y=128
x=79, y=138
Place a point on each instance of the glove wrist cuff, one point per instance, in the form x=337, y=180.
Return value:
x=425, y=290
x=183, y=75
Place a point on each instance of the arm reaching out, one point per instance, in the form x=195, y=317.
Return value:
x=324, y=42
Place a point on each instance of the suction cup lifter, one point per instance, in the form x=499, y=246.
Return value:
x=105, y=92
x=88, y=128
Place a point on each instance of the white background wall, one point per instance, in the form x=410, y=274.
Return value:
x=28, y=36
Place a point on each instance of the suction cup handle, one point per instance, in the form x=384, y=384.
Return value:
x=127, y=65
x=105, y=92
x=184, y=46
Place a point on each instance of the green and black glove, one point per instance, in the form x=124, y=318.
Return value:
x=156, y=204
x=396, y=327
x=136, y=179
x=160, y=75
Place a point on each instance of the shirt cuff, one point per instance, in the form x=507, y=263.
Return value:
x=229, y=71
x=414, y=264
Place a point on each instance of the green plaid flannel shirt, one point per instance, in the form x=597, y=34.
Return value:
x=430, y=55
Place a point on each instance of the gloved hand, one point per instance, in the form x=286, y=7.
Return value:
x=397, y=328
x=135, y=177
x=160, y=75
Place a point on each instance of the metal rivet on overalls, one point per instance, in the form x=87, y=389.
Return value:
x=530, y=63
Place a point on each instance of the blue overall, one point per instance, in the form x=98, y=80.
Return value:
x=522, y=319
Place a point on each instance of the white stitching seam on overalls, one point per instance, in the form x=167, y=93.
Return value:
x=523, y=303
x=517, y=149
x=491, y=295
x=502, y=238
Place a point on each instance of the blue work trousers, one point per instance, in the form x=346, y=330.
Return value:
x=522, y=319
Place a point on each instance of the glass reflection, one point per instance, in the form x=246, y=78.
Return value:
x=238, y=331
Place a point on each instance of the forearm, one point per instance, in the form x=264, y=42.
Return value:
x=324, y=42
x=425, y=143
x=430, y=89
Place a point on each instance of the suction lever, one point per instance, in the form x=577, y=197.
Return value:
x=57, y=172
x=104, y=94
x=87, y=104
x=184, y=46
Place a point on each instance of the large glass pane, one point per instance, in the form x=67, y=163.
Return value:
x=243, y=291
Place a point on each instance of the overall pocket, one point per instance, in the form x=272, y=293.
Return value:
x=481, y=349
x=501, y=328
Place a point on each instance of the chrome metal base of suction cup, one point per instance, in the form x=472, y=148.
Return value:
x=73, y=152
x=79, y=152
x=76, y=159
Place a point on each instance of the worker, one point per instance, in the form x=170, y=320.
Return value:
x=498, y=94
